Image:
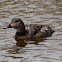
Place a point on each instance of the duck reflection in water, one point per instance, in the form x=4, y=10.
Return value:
x=20, y=42
x=24, y=42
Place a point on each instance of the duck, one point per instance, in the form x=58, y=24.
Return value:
x=30, y=30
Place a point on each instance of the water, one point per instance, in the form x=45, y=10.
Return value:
x=47, y=12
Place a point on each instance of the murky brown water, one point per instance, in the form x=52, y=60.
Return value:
x=31, y=11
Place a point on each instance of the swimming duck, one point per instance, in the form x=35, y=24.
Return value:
x=30, y=30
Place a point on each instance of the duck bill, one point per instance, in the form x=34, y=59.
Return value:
x=8, y=26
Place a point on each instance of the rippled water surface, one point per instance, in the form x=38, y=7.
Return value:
x=31, y=11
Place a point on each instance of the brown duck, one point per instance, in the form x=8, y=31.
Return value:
x=29, y=31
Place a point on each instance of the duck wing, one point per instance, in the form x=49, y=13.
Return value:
x=45, y=31
x=33, y=29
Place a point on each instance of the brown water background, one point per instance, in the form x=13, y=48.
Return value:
x=31, y=11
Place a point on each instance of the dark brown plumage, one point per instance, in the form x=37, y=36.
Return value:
x=31, y=30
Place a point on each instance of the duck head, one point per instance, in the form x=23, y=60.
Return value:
x=18, y=24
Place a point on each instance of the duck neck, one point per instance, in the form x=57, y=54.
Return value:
x=21, y=31
x=18, y=33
